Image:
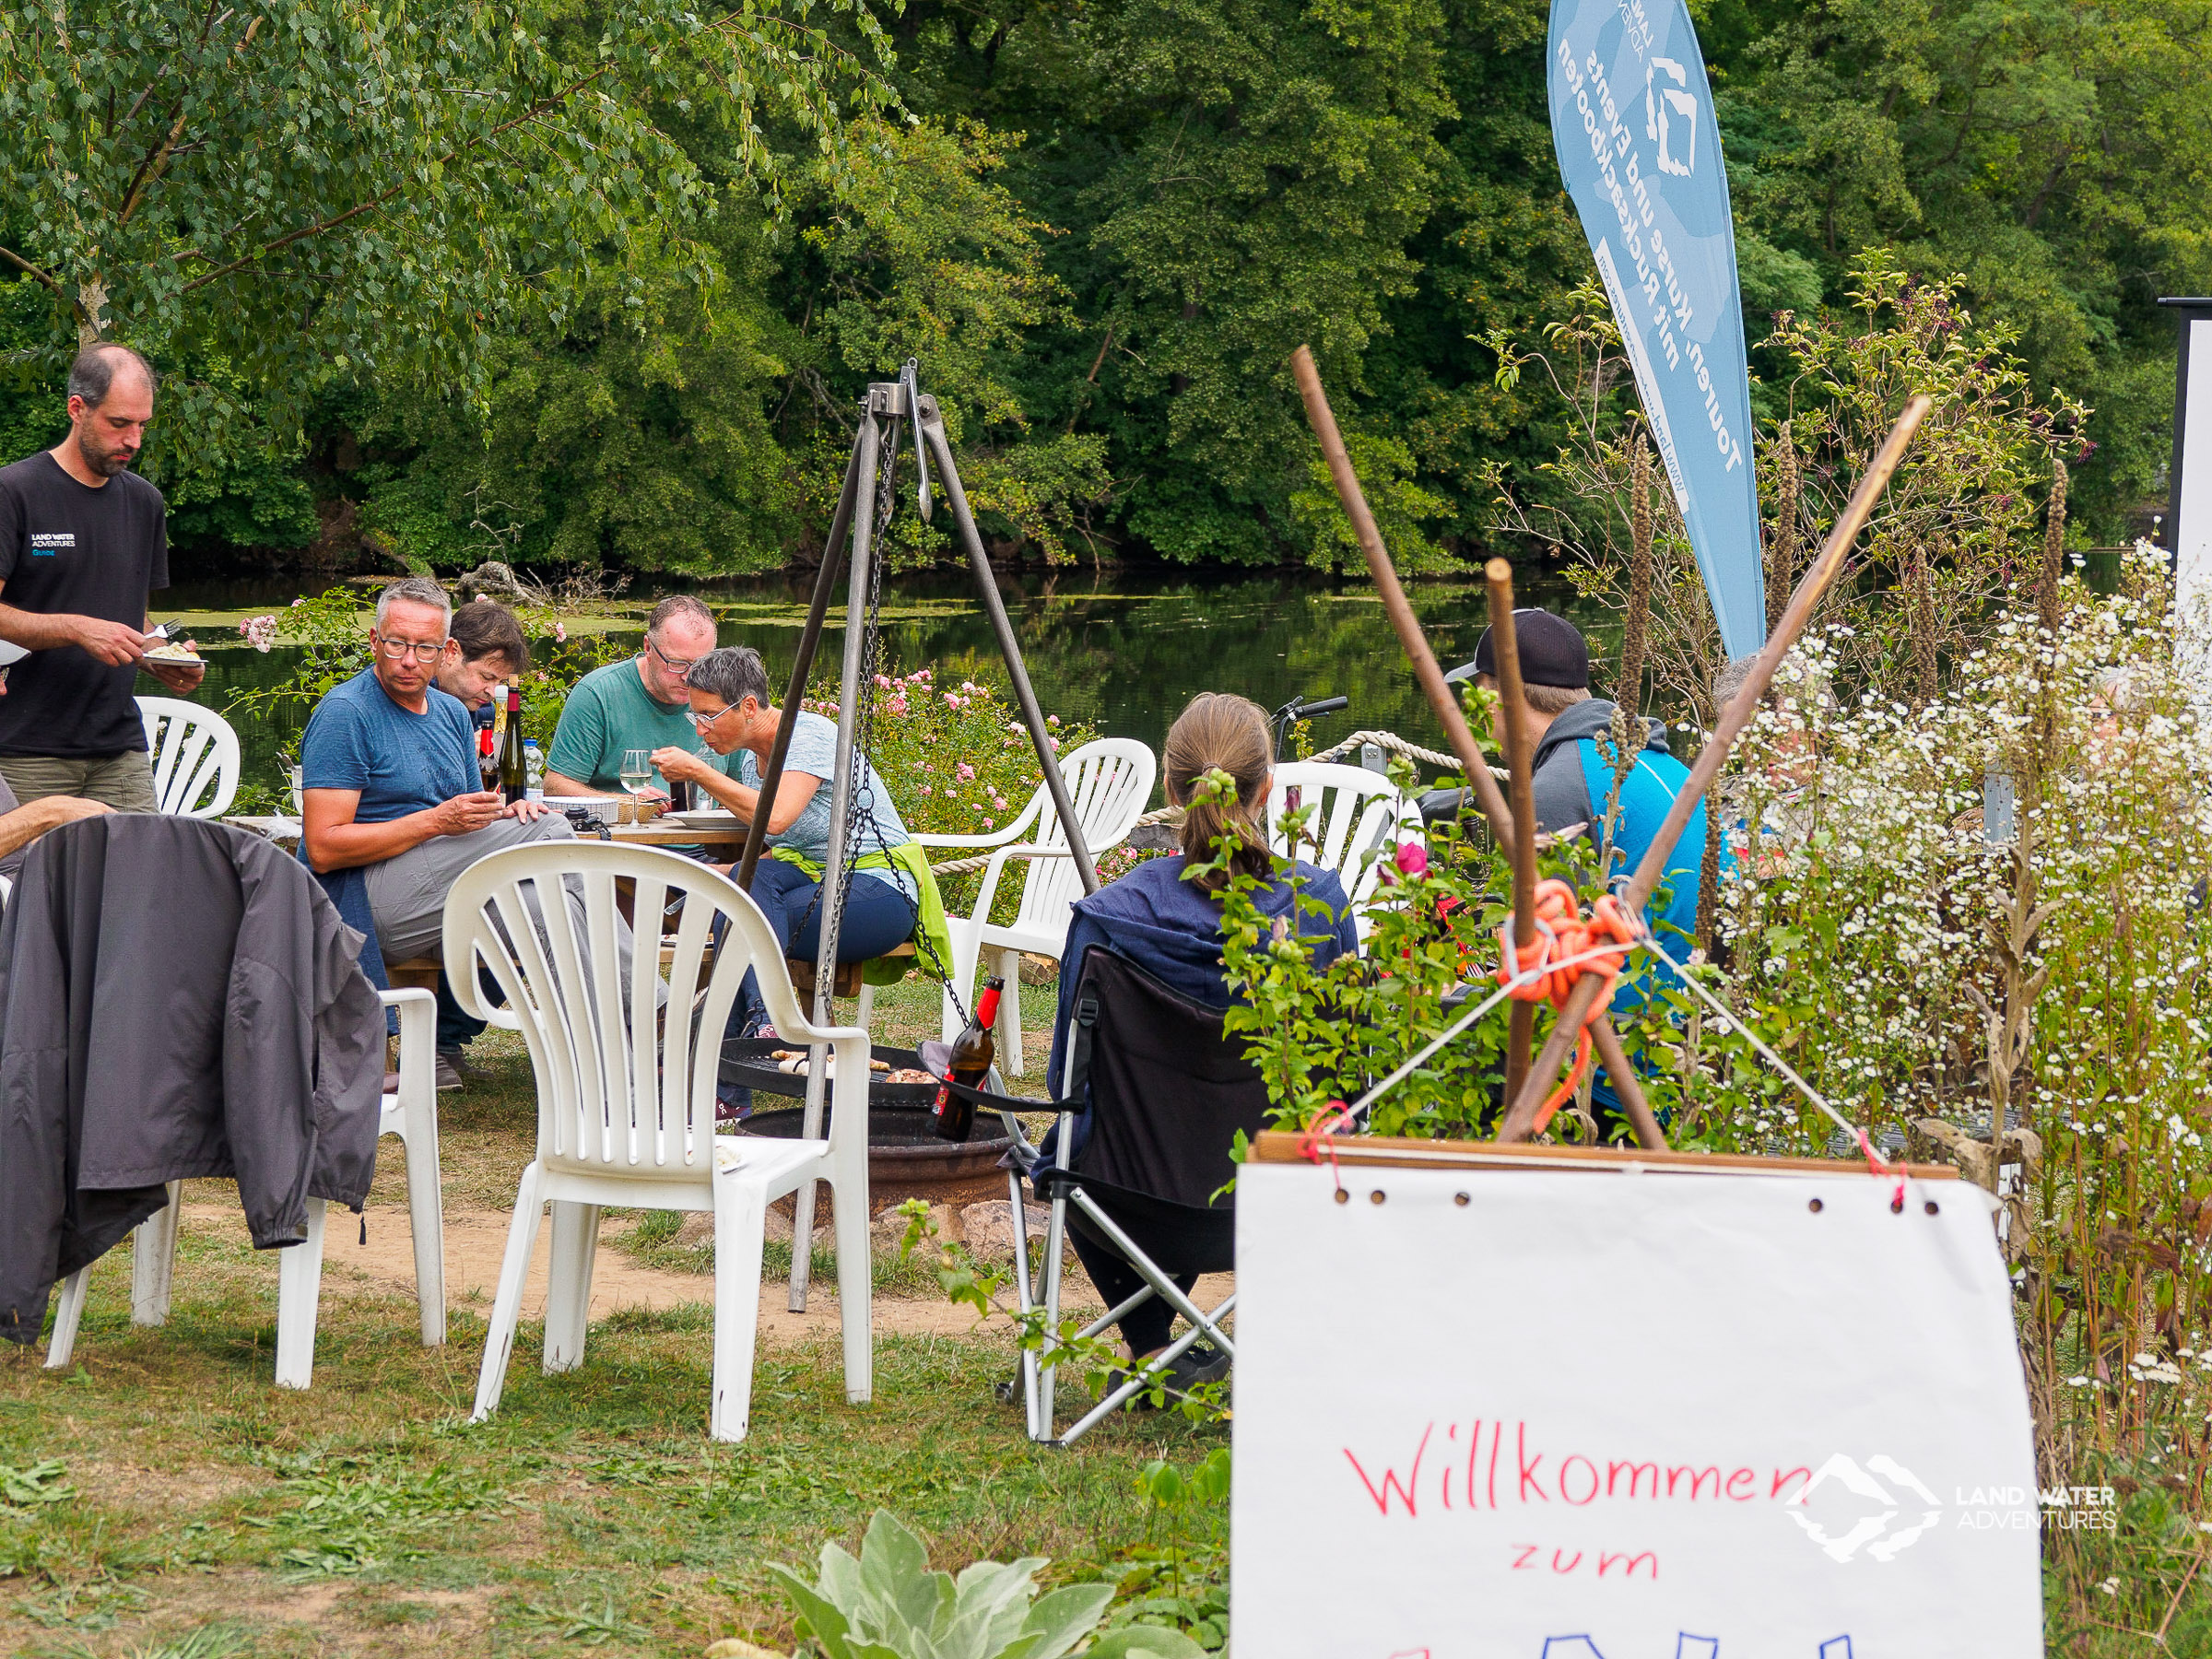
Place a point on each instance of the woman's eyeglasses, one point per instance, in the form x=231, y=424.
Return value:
x=703, y=720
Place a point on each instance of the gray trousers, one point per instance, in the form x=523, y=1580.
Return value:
x=406, y=894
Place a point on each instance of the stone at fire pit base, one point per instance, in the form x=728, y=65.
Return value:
x=989, y=1229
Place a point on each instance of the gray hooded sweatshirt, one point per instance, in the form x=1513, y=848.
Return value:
x=177, y=999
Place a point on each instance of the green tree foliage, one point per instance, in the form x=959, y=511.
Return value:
x=298, y=189
x=633, y=431
x=527, y=265
x=2052, y=155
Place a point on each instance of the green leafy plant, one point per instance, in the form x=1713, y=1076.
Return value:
x=960, y=763
x=41, y=1483
x=888, y=1604
x=1099, y=1360
x=331, y=629
x=1181, y=1584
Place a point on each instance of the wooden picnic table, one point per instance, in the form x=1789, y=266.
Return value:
x=285, y=831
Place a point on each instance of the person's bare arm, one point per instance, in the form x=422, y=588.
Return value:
x=794, y=790
x=26, y=824
x=114, y=643
x=558, y=785
x=336, y=843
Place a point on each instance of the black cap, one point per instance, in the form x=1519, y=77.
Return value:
x=1552, y=651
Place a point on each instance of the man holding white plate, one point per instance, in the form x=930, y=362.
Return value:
x=84, y=541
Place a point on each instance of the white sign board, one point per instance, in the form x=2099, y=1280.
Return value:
x=2190, y=530
x=1598, y=1415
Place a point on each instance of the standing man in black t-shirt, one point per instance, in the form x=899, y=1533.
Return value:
x=83, y=542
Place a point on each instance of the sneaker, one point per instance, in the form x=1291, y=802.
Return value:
x=464, y=1068
x=447, y=1072
x=1200, y=1363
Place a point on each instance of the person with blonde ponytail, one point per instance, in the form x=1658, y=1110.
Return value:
x=1165, y=916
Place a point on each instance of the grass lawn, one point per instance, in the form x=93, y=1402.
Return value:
x=163, y=1500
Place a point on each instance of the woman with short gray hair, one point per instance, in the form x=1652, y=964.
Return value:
x=731, y=711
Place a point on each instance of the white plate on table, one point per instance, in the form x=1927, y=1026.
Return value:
x=699, y=820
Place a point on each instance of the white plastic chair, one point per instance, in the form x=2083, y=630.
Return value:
x=411, y=1113
x=626, y=1116
x=193, y=754
x=1109, y=782
x=1359, y=820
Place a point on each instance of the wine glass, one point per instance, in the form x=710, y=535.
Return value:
x=637, y=770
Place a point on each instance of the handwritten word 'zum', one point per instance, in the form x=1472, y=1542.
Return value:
x=1503, y=1469
x=1686, y=1647
x=1605, y=1563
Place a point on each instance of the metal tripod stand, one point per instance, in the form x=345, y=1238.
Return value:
x=869, y=485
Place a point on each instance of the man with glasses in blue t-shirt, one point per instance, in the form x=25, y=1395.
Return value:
x=390, y=787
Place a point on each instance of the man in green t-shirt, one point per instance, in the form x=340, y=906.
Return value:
x=641, y=704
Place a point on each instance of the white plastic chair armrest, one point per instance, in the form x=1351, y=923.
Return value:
x=417, y=1033
x=981, y=912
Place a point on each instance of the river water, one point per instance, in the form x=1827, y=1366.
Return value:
x=1123, y=653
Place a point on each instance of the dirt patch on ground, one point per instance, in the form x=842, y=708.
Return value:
x=476, y=1244
x=168, y=1490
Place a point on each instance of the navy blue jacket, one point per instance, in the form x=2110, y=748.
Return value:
x=1171, y=929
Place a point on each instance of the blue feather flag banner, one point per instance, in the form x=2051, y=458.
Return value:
x=1631, y=121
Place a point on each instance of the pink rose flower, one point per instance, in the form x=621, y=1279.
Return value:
x=963, y=771
x=1413, y=858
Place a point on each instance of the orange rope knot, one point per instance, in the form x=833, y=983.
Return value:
x=1316, y=1138
x=1563, y=933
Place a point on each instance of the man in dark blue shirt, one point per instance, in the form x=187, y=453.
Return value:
x=390, y=785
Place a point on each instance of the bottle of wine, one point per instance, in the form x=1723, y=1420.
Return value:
x=487, y=758
x=515, y=770
x=973, y=1051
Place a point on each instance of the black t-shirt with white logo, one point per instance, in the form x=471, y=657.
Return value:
x=66, y=547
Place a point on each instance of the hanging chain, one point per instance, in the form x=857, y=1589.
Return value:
x=860, y=818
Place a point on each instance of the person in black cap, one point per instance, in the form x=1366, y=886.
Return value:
x=1575, y=781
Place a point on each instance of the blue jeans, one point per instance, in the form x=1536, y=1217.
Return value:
x=877, y=918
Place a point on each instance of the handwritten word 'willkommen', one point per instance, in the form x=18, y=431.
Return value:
x=1495, y=1464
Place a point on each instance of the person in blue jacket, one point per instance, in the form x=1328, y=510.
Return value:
x=1575, y=786
x=1574, y=779
x=1169, y=923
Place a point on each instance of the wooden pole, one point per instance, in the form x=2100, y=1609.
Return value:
x=1520, y=761
x=1521, y=1115
x=1441, y=700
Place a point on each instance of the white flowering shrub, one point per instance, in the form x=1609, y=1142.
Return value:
x=1880, y=932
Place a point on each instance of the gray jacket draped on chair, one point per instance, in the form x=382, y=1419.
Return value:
x=177, y=999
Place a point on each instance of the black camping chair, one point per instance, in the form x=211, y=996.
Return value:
x=1166, y=1089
